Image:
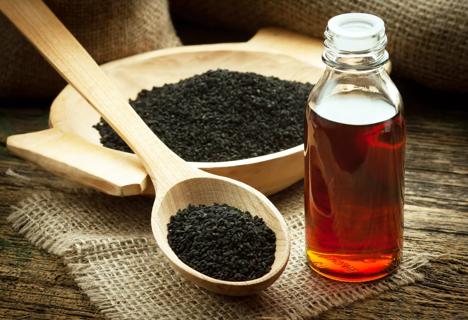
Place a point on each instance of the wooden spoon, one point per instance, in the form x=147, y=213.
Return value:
x=177, y=183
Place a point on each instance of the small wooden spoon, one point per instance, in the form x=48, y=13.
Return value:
x=177, y=183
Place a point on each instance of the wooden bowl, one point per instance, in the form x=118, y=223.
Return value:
x=71, y=147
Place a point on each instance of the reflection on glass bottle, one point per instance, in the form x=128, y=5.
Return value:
x=354, y=156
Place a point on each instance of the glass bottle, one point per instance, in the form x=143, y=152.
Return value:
x=354, y=156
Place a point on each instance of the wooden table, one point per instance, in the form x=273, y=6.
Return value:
x=35, y=284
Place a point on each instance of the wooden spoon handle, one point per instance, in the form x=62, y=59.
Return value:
x=35, y=20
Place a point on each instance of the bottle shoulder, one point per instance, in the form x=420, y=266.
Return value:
x=350, y=88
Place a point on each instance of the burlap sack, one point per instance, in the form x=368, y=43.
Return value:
x=108, y=246
x=428, y=40
x=108, y=29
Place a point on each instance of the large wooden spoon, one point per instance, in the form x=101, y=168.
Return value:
x=177, y=183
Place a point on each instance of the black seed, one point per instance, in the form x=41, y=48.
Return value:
x=222, y=242
x=221, y=115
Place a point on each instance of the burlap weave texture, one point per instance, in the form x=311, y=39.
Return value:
x=109, y=248
x=428, y=40
x=108, y=29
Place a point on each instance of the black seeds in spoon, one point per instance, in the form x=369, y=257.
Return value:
x=222, y=242
x=221, y=115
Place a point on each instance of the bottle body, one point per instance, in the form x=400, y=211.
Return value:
x=355, y=142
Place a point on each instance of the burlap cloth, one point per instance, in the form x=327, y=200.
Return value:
x=108, y=246
x=108, y=29
x=428, y=40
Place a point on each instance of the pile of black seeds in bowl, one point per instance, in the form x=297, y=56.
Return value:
x=222, y=242
x=221, y=115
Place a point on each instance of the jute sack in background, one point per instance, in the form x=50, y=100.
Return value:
x=428, y=40
x=108, y=29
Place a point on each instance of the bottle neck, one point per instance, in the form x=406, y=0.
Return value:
x=353, y=61
x=364, y=59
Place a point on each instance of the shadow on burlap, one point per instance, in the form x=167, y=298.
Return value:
x=108, y=246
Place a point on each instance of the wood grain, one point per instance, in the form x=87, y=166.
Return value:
x=178, y=184
x=67, y=155
x=271, y=52
x=35, y=285
x=435, y=222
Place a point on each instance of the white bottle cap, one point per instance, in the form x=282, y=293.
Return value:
x=355, y=32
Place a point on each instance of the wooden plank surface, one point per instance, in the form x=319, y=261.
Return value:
x=35, y=284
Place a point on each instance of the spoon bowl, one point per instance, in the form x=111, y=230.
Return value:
x=177, y=183
x=207, y=190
